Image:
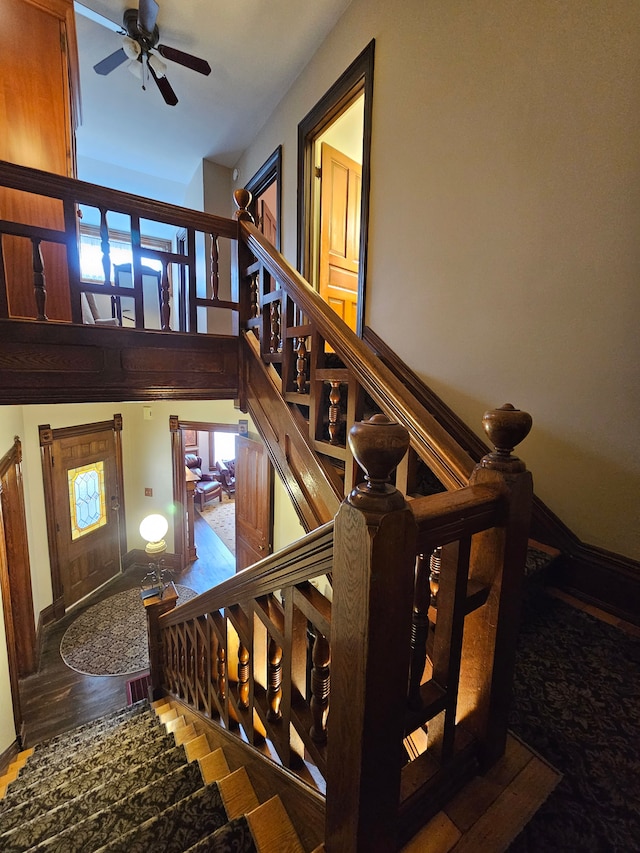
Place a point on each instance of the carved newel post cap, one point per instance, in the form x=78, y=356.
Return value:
x=378, y=446
x=506, y=427
x=242, y=198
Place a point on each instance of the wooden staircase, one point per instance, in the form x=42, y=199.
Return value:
x=141, y=779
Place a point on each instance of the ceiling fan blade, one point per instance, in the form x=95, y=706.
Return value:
x=165, y=87
x=111, y=62
x=186, y=59
x=97, y=18
x=147, y=15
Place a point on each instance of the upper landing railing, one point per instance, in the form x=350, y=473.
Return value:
x=40, y=265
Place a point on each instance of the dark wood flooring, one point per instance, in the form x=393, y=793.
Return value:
x=56, y=698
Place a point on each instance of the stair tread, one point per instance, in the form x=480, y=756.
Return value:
x=177, y=827
x=126, y=815
x=76, y=774
x=156, y=740
x=272, y=829
x=60, y=751
x=141, y=788
x=84, y=800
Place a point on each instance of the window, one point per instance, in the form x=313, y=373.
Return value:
x=91, y=268
x=86, y=499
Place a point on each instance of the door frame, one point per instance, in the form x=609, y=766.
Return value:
x=267, y=174
x=47, y=437
x=15, y=579
x=356, y=80
x=176, y=428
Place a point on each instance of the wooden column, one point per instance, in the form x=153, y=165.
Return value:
x=155, y=607
x=374, y=557
x=497, y=558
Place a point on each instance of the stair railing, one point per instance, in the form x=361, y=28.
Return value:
x=324, y=370
x=395, y=687
x=30, y=251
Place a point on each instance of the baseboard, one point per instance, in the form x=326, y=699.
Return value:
x=609, y=581
x=8, y=755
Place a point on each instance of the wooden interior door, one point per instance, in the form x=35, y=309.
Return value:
x=85, y=512
x=37, y=62
x=341, y=190
x=254, y=502
x=268, y=223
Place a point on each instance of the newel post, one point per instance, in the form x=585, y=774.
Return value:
x=155, y=607
x=498, y=559
x=373, y=569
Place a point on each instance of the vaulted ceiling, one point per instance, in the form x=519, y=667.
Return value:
x=256, y=49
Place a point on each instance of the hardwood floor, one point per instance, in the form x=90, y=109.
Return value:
x=56, y=698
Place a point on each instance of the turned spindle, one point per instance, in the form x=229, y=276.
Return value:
x=243, y=677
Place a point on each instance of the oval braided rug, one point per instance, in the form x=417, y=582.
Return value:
x=110, y=638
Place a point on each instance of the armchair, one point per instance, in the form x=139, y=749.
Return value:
x=208, y=486
x=226, y=473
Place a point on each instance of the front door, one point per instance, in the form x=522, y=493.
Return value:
x=254, y=493
x=85, y=512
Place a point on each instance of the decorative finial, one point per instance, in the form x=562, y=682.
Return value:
x=506, y=427
x=378, y=446
x=243, y=198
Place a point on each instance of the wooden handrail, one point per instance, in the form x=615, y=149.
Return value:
x=448, y=461
x=308, y=557
x=69, y=189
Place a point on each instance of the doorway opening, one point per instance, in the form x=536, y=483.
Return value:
x=334, y=153
x=266, y=190
x=204, y=485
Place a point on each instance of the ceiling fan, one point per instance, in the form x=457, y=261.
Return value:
x=141, y=37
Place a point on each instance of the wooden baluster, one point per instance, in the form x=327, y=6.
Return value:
x=334, y=411
x=275, y=344
x=221, y=658
x=435, y=563
x=165, y=296
x=320, y=688
x=106, y=248
x=301, y=364
x=255, y=295
x=274, y=681
x=214, y=262
x=39, y=283
x=374, y=567
x=419, y=631
x=243, y=676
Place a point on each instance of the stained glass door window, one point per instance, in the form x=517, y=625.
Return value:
x=86, y=499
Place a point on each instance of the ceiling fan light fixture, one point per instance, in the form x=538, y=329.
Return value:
x=131, y=47
x=159, y=67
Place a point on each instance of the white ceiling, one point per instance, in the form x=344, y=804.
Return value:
x=256, y=49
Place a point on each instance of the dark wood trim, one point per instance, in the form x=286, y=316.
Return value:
x=65, y=363
x=270, y=171
x=609, y=581
x=356, y=79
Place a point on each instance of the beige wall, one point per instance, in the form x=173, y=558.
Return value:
x=505, y=213
x=146, y=446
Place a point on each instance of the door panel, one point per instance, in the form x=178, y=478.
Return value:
x=86, y=484
x=340, y=232
x=254, y=502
